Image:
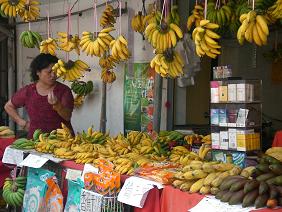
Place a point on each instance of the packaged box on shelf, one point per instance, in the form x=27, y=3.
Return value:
x=219, y=155
x=223, y=140
x=214, y=91
x=250, y=93
x=223, y=93
x=239, y=159
x=241, y=92
x=214, y=116
x=215, y=140
x=232, y=136
x=232, y=92
x=244, y=139
x=242, y=117
x=232, y=117
x=222, y=117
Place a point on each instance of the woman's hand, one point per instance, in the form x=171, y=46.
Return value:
x=52, y=99
x=24, y=124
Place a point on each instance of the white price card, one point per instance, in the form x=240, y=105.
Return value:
x=12, y=156
x=215, y=205
x=135, y=190
x=88, y=169
x=73, y=174
x=34, y=161
x=90, y=201
x=52, y=158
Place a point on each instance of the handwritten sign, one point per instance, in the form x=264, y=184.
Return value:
x=73, y=174
x=90, y=201
x=215, y=205
x=12, y=156
x=135, y=190
x=34, y=161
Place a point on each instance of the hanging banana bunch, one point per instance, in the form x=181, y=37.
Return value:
x=218, y=14
x=138, y=23
x=107, y=62
x=168, y=64
x=108, y=76
x=48, y=46
x=31, y=11
x=206, y=39
x=11, y=7
x=276, y=10
x=108, y=17
x=119, y=49
x=78, y=101
x=97, y=45
x=254, y=28
x=71, y=70
x=82, y=88
x=196, y=17
x=68, y=42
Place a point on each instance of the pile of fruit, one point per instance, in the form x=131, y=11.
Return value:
x=6, y=132
x=13, y=191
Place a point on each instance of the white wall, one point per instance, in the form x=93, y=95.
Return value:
x=89, y=114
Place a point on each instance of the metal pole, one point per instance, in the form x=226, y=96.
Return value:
x=103, y=116
x=157, y=102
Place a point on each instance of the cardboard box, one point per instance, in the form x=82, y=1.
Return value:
x=223, y=139
x=214, y=116
x=223, y=117
x=215, y=140
x=232, y=136
x=241, y=92
x=223, y=93
x=232, y=92
x=214, y=91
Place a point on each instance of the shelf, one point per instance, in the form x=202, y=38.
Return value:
x=251, y=126
x=252, y=102
x=233, y=150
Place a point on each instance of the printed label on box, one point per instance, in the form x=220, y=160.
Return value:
x=214, y=117
x=232, y=92
x=223, y=117
x=223, y=138
x=215, y=140
x=232, y=135
x=223, y=93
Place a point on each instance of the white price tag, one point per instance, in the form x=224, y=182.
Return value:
x=12, y=156
x=73, y=174
x=34, y=161
x=88, y=169
x=135, y=190
x=52, y=158
x=90, y=201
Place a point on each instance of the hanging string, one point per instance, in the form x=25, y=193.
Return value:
x=95, y=17
x=119, y=17
x=253, y=4
x=106, y=2
x=48, y=24
x=68, y=28
x=143, y=7
x=162, y=11
x=77, y=22
x=29, y=25
x=216, y=4
x=206, y=9
x=196, y=2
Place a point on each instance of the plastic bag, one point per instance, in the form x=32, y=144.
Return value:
x=36, y=188
x=54, y=197
x=74, y=193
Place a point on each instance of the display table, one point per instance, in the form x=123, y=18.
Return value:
x=5, y=170
x=175, y=200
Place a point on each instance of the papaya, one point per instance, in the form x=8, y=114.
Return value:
x=278, y=180
x=228, y=182
x=263, y=188
x=226, y=196
x=273, y=192
x=263, y=167
x=276, y=168
x=220, y=194
x=236, y=186
x=271, y=203
x=237, y=198
x=251, y=185
x=265, y=177
x=261, y=200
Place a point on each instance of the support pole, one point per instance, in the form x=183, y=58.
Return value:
x=103, y=116
x=157, y=102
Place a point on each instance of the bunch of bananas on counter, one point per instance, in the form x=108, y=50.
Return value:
x=94, y=137
x=107, y=61
x=168, y=64
x=119, y=49
x=254, y=28
x=204, y=177
x=71, y=70
x=82, y=88
x=68, y=42
x=181, y=155
x=205, y=39
x=10, y=7
x=138, y=22
x=31, y=11
x=197, y=139
x=13, y=191
x=108, y=76
x=163, y=36
x=108, y=18
x=276, y=9
x=96, y=45
x=23, y=143
x=203, y=151
x=30, y=39
x=196, y=17
x=48, y=46
x=219, y=15
x=78, y=101
x=6, y=132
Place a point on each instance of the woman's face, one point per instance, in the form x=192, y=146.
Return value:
x=47, y=76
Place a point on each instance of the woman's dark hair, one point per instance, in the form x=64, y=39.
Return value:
x=40, y=62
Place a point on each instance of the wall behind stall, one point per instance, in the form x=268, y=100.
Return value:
x=89, y=114
x=247, y=61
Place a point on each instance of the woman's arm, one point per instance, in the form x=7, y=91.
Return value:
x=13, y=113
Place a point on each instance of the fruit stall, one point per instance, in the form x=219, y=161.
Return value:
x=133, y=161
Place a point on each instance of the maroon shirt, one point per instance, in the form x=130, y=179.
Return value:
x=41, y=113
